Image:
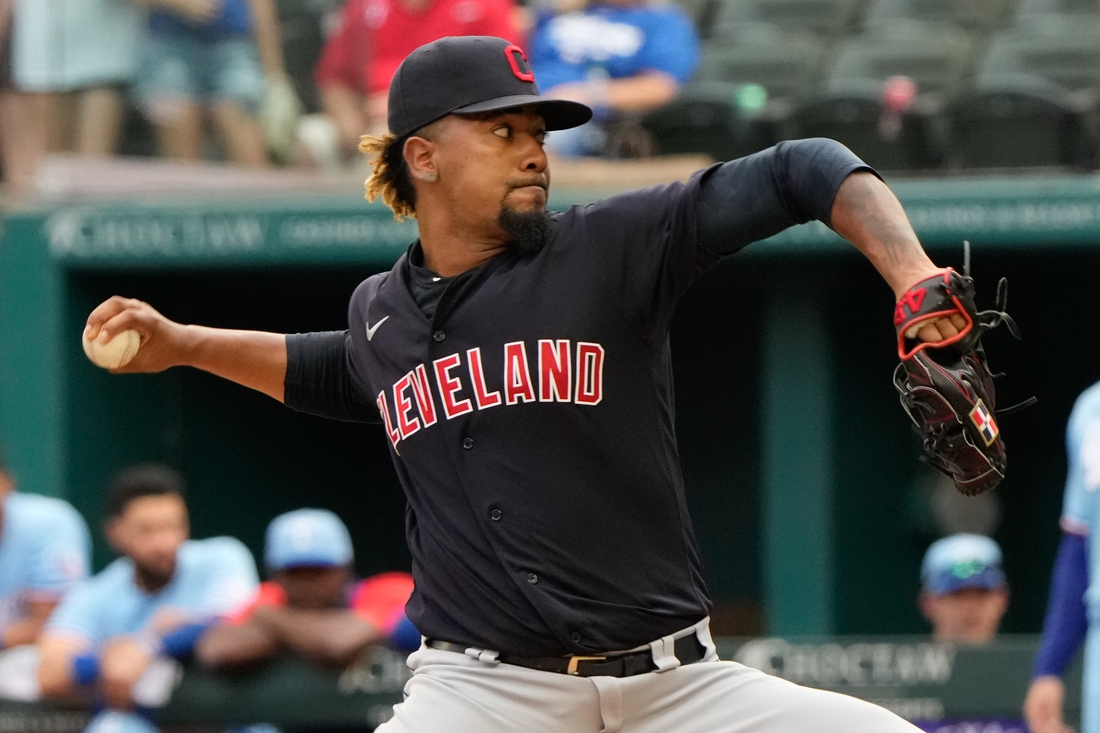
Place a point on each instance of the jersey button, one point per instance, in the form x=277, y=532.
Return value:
x=468, y=443
x=576, y=637
x=438, y=336
x=495, y=515
x=532, y=578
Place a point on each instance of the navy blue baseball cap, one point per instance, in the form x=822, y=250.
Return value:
x=307, y=538
x=962, y=561
x=469, y=75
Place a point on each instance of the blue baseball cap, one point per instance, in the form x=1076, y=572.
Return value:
x=307, y=537
x=962, y=561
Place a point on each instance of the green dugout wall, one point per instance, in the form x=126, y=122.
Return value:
x=801, y=469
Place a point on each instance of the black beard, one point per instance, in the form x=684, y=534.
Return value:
x=152, y=580
x=528, y=231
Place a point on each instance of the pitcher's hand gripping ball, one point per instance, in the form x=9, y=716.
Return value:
x=114, y=354
x=946, y=387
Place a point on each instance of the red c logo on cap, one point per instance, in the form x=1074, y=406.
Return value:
x=517, y=59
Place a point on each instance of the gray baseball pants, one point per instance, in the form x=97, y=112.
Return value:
x=461, y=693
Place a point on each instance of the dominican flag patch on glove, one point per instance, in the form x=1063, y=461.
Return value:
x=983, y=421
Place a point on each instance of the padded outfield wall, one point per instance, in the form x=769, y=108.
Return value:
x=809, y=503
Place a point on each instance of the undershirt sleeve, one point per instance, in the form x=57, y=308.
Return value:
x=754, y=197
x=320, y=379
x=1066, y=623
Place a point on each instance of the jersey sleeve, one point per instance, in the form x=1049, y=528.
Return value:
x=1066, y=623
x=380, y=600
x=268, y=594
x=62, y=555
x=654, y=243
x=321, y=378
x=671, y=46
x=231, y=579
x=80, y=613
x=1083, y=474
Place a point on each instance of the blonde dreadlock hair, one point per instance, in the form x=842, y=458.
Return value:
x=389, y=179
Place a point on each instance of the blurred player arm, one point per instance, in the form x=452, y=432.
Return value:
x=1064, y=629
x=255, y=359
x=67, y=663
x=231, y=646
x=332, y=637
x=68, y=644
x=27, y=629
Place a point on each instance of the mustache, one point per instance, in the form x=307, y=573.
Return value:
x=541, y=181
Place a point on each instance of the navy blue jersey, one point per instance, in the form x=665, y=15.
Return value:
x=530, y=418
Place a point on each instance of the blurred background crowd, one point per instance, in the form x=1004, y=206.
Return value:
x=114, y=640
x=294, y=82
x=910, y=84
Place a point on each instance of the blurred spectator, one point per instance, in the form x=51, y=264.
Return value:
x=22, y=120
x=616, y=56
x=965, y=593
x=80, y=57
x=374, y=37
x=311, y=605
x=146, y=607
x=210, y=56
x=44, y=549
x=1072, y=608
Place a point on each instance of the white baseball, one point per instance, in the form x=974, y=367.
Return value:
x=115, y=353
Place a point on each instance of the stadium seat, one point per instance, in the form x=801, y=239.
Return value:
x=972, y=14
x=1030, y=8
x=704, y=13
x=705, y=118
x=1035, y=97
x=824, y=17
x=785, y=63
x=850, y=104
x=1063, y=49
x=855, y=117
x=1023, y=121
x=938, y=59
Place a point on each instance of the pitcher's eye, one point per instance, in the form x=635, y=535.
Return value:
x=504, y=131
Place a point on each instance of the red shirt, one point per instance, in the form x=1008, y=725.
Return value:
x=379, y=600
x=375, y=36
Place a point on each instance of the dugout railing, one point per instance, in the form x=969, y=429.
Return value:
x=932, y=683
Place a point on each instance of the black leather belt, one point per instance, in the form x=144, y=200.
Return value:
x=688, y=651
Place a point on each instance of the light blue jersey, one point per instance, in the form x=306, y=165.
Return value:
x=212, y=577
x=1080, y=504
x=44, y=550
x=1081, y=515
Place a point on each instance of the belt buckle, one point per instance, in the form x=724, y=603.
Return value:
x=574, y=661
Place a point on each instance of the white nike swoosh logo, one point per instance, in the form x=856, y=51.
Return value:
x=371, y=329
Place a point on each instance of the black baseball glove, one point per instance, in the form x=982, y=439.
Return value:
x=946, y=387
